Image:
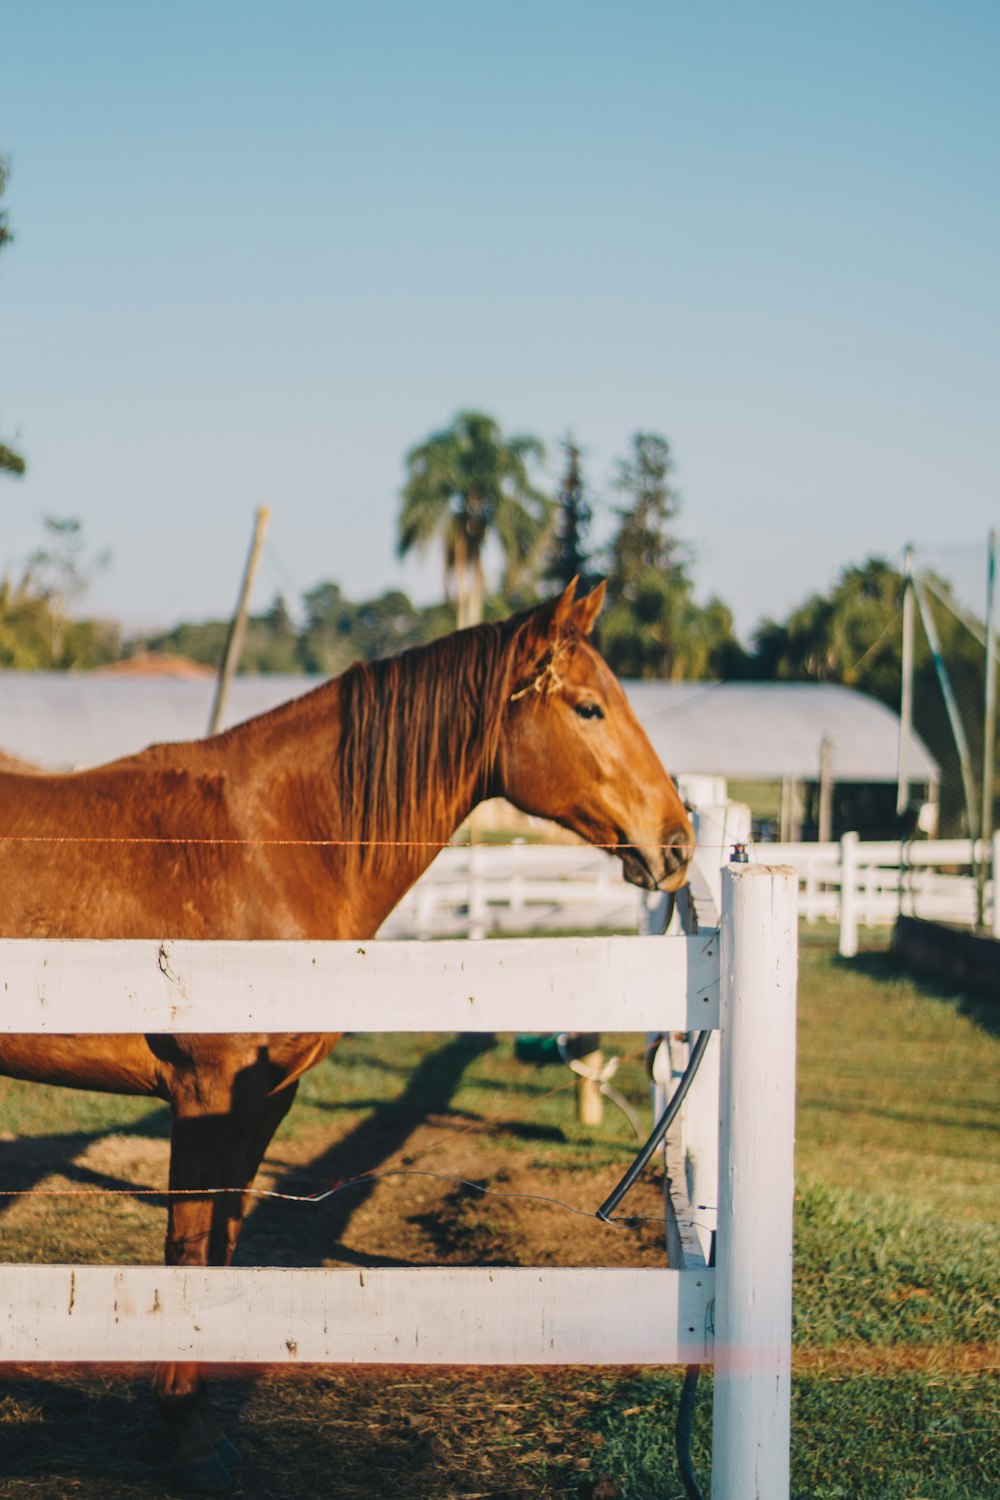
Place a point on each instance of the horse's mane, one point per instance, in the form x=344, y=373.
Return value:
x=415, y=726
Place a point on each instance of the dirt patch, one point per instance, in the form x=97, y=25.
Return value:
x=440, y=1189
x=444, y=1200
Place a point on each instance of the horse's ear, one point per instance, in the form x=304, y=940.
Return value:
x=585, y=611
x=549, y=620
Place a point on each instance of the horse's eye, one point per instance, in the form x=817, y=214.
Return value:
x=589, y=711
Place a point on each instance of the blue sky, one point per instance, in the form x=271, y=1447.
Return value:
x=262, y=250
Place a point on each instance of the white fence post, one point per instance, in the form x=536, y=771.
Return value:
x=753, y=1279
x=995, y=919
x=849, y=895
x=718, y=827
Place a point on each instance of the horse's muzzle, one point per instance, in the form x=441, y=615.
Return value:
x=678, y=852
x=664, y=866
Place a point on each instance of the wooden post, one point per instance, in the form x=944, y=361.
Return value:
x=825, y=790
x=906, y=690
x=589, y=1100
x=237, y=629
x=753, y=1278
x=989, y=735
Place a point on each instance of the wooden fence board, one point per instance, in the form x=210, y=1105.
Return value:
x=410, y=1315
x=53, y=986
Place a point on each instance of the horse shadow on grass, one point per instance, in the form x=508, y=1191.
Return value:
x=29, y=1160
x=279, y=1232
x=101, y=1437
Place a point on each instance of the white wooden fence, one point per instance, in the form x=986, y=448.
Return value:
x=869, y=883
x=741, y=982
x=855, y=883
x=492, y=888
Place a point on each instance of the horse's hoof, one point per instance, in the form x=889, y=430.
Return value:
x=228, y=1454
x=201, y=1476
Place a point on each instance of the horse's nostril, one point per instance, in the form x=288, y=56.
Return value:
x=678, y=847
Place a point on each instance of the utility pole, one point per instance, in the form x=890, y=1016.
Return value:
x=951, y=708
x=989, y=741
x=825, y=829
x=906, y=692
x=237, y=629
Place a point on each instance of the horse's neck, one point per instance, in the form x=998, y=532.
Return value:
x=298, y=748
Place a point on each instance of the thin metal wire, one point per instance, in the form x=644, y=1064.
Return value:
x=151, y=838
x=621, y=1221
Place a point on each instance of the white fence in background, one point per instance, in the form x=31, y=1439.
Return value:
x=739, y=981
x=471, y=892
x=869, y=883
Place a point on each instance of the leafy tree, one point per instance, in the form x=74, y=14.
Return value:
x=10, y=462
x=567, y=556
x=853, y=635
x=37, y=629
x=850, y=635
x=338, y=632
x=652, y=626
x=466, y=483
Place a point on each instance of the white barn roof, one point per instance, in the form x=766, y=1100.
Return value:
x=740, y=730
x=767, y=731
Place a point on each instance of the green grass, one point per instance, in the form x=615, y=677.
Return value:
x=897, y=1087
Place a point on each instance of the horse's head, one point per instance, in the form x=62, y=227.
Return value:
x=575, y=752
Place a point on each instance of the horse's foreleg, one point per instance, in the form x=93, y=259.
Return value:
x=208, y=1151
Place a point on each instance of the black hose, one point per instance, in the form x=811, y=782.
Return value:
x=685, y=1408
x=660, y=1129
x=682, y=1432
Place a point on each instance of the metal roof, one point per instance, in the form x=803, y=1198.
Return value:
x=766, y=731
x=740, y=730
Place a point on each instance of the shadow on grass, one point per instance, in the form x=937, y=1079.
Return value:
x=885, y=968
x=307, y=1234
x=26, y=1162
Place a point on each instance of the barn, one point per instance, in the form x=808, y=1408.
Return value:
x=810, y=759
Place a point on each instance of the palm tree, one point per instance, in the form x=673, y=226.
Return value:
x=466, y=483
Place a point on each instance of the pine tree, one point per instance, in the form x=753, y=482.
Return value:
x=568, y=557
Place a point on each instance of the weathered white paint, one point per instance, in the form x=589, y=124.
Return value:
x=410, y=1315
x=753, y=1308
x=533, y=984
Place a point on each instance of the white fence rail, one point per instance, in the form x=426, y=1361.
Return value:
x=501, y=888
x=452, y=1315
x=855, y=883
x=869, y=883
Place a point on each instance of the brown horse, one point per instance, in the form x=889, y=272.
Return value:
x=310, y=822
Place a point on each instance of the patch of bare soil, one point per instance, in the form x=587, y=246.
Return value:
x=449, y=1197
x=439, y=1194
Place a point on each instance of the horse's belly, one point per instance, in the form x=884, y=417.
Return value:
x=109, y=1064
